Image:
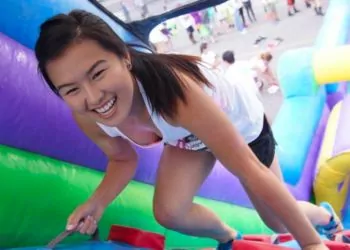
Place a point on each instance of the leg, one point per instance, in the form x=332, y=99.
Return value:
x=264, y=148
x=246, y=7
x=318, y=8
x=251, y=10
x=180, y=174
x=318, y=216
x=307, y=3
x=190, y=32
x=241, y=13
x=290, y=7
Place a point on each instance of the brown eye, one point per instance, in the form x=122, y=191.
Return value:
x=72, y=91
x=98, y=74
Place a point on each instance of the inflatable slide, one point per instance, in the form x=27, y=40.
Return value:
x=333, y=166
x=48, y=166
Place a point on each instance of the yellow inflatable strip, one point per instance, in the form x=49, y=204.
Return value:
x=332, y=64
x=329, y=136
x=331, y=183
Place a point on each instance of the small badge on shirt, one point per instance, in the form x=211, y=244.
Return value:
x=191, y=142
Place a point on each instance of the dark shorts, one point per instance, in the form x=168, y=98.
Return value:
x=264, y=145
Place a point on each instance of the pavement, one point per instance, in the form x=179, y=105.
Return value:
x=297, y=31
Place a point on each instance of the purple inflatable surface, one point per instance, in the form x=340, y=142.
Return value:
x=34, y=119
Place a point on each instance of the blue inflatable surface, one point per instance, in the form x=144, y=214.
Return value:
x=297, y=79
x=87, y=246
x=300, y=116
x=21, y=20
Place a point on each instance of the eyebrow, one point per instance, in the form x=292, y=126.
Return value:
x=92, y=68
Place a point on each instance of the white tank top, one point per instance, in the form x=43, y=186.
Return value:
x=235, y=98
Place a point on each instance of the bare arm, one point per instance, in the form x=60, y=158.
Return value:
x=269, y=76
x=218, y=133
x=122, y=162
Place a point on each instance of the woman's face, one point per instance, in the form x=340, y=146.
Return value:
x=93, y=82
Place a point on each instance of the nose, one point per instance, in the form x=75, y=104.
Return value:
x=94, y=96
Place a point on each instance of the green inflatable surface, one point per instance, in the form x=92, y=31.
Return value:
x=39, y=193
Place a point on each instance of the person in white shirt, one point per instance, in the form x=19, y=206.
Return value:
x=209, y=57
x=239, y=71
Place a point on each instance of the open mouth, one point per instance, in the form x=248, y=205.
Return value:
x=107, y=108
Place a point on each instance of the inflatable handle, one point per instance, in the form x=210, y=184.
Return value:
x=52, y=244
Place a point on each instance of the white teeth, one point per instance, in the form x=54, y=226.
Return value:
x=106, y=107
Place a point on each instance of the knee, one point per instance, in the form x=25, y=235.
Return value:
x=166, y=215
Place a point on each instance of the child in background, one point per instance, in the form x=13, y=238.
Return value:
x=260, y=65
x=208, y=56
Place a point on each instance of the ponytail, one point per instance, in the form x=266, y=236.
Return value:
x=159, y=76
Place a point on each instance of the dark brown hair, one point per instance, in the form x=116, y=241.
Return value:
x=229, y=56
x=156, y=72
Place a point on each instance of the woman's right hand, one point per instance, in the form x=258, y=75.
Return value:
x=84, y=218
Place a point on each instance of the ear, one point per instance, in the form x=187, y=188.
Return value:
x=128, y=57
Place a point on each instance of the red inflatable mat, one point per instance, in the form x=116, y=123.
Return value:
x=143, y=239
x=136, y=237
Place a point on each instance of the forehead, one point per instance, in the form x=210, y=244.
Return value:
x=76, y=61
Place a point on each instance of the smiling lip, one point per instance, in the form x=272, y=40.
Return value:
x=107, y=110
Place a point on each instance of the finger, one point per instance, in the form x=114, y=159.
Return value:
x=92, y=228
x=88, y=221
x=74, y=220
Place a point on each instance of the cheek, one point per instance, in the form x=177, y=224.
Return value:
x=75, y=103
x=121, y=81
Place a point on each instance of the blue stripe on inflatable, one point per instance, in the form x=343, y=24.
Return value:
x=295, y=73
x=294, y=129
x=335, y=30
x=300, y=113
x=21, y=19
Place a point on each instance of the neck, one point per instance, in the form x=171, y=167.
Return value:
x=139, y=116
x=138, y=106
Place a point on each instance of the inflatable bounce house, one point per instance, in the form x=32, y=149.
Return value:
x=48, y=167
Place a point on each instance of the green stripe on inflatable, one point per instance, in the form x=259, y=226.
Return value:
x=38, y=194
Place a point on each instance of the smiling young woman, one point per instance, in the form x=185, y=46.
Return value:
x=121, y=97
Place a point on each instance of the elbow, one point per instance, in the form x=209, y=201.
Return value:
x=129, y=162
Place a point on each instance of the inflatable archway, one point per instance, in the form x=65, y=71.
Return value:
x=48, y=166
